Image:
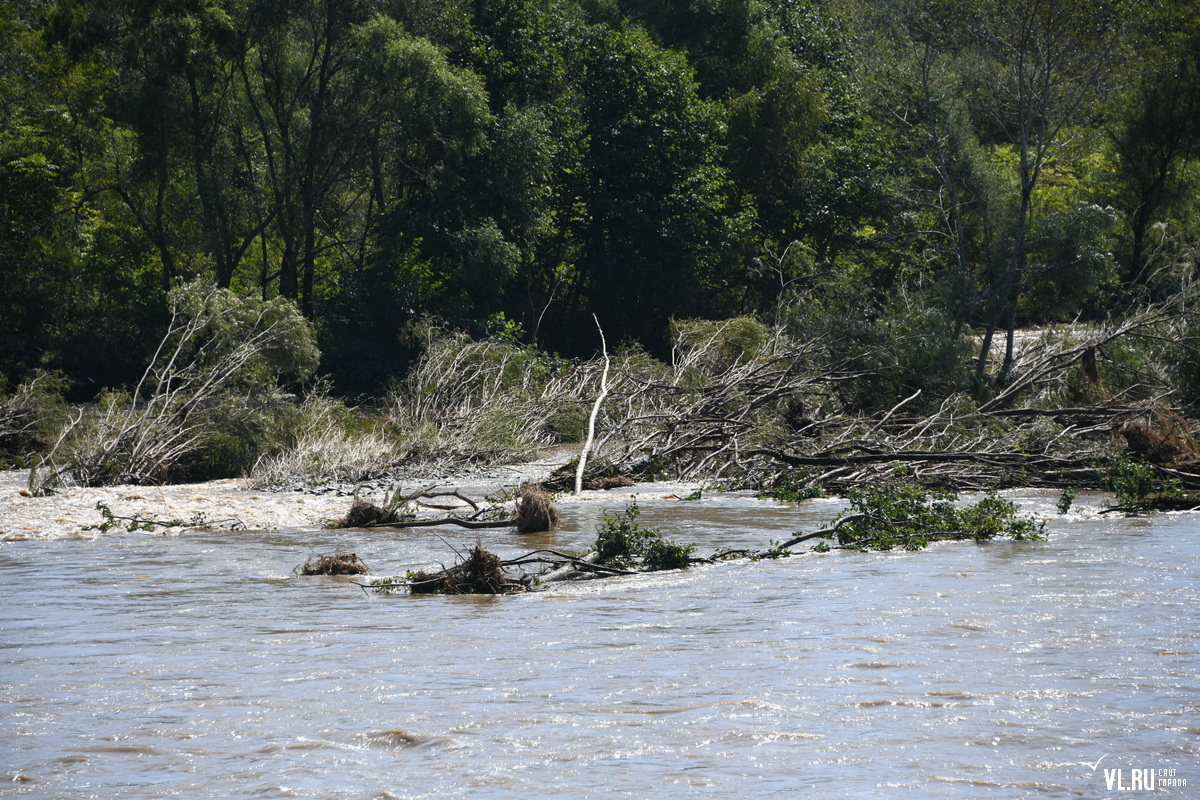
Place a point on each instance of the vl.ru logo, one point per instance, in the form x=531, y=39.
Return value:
x=1139, y=780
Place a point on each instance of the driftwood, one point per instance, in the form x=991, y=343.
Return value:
x=480, y=572
x=591, y=434
x=534, y=511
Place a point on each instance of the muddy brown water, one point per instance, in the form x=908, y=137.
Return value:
x=198, y=666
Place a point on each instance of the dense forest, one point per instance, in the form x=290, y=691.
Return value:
x=911, y=180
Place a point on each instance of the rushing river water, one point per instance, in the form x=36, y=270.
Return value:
x=198, y=666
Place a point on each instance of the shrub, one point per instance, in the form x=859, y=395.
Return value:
x=622, y=542
x=910, y=516
x=322, y=440
x=218, y=350
x=715, y=346
x=30, y=417
x=792, y=486
x=484, y=400
x=1136, y=482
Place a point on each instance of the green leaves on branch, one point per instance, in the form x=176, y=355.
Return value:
x=910, y=516
x=622, y=542
x=1138, y=484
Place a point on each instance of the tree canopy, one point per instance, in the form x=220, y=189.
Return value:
x=516, y=167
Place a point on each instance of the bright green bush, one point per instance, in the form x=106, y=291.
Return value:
x=622, y=542
x=910, y=516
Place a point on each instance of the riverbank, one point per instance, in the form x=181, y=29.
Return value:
x=234, y=504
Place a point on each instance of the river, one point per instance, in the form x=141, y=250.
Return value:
x=198, y=666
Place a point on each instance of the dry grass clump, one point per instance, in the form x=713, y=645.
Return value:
x=330, y=455
x=487, y=401
x=1164, y=438
x=339, y=563
x=535, y=510
x=480, y=573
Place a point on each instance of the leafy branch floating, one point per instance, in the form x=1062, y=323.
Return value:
x=114, y=521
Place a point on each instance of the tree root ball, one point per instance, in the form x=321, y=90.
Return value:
x=535, y=510
x=1164, y=438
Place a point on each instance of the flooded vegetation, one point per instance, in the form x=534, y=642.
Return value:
x=549, y=398
x=198, y=664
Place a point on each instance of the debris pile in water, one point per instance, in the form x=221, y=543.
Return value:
x=339, y=563
x=480, y=572
x=535, y=510
x=364, y=514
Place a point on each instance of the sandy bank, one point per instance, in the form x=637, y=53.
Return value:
x=232, y=503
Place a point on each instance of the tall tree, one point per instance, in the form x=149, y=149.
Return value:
x=1051, y=60
x=651, y=191
x=308, y=112
x=1155, y=130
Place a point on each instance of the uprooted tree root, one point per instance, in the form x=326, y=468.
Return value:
x=339, y=563
x=535, y=510
x=481, y=572
x=364, y=514
x=1164, y=438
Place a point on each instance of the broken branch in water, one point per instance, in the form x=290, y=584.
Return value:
x=900, y=515
x=136, y=523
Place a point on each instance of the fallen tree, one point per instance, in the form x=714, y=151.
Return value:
x=771, y=413
x=533, y=511
x=900, y=514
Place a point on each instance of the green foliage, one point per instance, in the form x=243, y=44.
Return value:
x=665, y=554
x=1077, y=270
x=622, y=542
x=910, y=516
x=1183, y=366
x=213, y=327
x=717, y=345
x=792, y=486
x=897, y=350
x=856, y=168
x=1137, y=483
x=1065, y=499
x=133, y=524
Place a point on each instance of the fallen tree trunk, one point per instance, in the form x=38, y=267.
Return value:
x=470, y=524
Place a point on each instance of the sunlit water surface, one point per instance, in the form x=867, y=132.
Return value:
x=199, y=666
